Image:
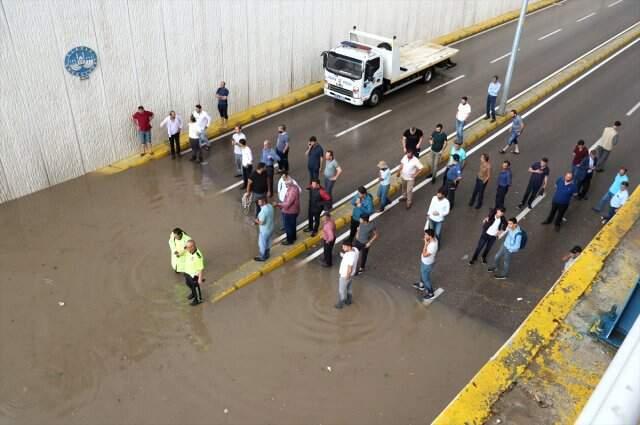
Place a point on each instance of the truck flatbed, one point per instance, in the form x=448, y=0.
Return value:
x=420, y=55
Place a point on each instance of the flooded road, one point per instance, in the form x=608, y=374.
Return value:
x=95, y=327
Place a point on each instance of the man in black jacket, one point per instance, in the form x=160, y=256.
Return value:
x=316, y=205
x=492, y=227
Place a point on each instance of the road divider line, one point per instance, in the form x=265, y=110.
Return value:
x=633, y=109
x=615, y=3
x=250, y=271
x=506, y=19
x=375, y=117
x=445, y=84
x=550, y=34
x=584, y=18
x=498, y=59
x=233, y=186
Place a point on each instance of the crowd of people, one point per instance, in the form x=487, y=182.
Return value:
x=285, y=196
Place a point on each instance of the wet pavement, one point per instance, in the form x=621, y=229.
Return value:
x=95, y=328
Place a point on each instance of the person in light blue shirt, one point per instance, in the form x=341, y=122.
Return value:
x=512, y=242
x=613, y=189
x=517, y=127
x=492, y=96
x=385, y=182
x=457, y=149
x=269, y=157
x=265, y=229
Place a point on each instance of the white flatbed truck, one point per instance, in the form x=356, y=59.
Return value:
x=368, y=66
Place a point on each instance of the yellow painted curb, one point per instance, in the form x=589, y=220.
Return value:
x=161, y=150
x=473, y=404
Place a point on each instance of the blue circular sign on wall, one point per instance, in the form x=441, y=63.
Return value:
x=81, y=61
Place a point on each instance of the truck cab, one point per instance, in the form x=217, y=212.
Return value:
x=367, y=66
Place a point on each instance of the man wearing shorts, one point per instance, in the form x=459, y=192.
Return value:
x=517, y=127
x=143, y=119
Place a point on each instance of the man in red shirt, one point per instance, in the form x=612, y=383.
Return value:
x=143, y=119
x=580, y=152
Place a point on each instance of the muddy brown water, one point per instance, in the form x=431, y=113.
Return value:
x=126, y=348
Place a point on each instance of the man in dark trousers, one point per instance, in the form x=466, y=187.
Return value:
x=504, y=183
x=452, y=177
x=316, y=205
x=539, y=171
x=590, y=165
x=565, y=188
x=192, y=268
x=365, y=236
x=314, y=153
x=257, y=183
x=493, y=226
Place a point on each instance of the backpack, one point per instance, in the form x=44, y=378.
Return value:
x=523, y=238
x=324, y=195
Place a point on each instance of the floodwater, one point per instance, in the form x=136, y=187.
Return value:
x=95, y=328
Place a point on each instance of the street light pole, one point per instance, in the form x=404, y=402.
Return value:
x=512, y=58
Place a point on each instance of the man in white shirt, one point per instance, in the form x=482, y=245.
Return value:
x=410, y=166
x=346, y=273
x=493, y=226
x=464, y=110
x=247, y=163
x=174, y=125
x=237, y=148
x=571, y=257
x=427, y=260
x=618, y=200
x=203, y=119
x=438, y=210
x=194, y=139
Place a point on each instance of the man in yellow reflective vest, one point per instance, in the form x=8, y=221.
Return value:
x=192, y=268
x=177, y=242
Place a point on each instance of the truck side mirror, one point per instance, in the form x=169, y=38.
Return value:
x=324, y=59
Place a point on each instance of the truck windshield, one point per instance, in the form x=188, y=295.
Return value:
x=344, y=65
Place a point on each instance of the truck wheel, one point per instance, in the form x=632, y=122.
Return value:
x=428, y=75
x=375, y=98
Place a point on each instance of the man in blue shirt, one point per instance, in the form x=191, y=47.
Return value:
x=282, y=148
x=517, y=127
x=362, y=205
x=504, y=182
x=222, y=95
x=613, y=189
x=492, y=95
x=565, y=188
x=511, y=245
x=451, y=179
x=269, y=157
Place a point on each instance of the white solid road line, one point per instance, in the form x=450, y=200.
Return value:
x=544, y=9
x=550, y=34
x=633, y=109
x=586, y=17
x=342, y=133
x=614, y=3
x=506, y=55
x=498, y=133
x=445, y=84
x=229, y=188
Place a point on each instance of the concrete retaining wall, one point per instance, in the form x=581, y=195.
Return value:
x=169, y=54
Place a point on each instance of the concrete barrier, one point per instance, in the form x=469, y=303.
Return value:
x=473, y=404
